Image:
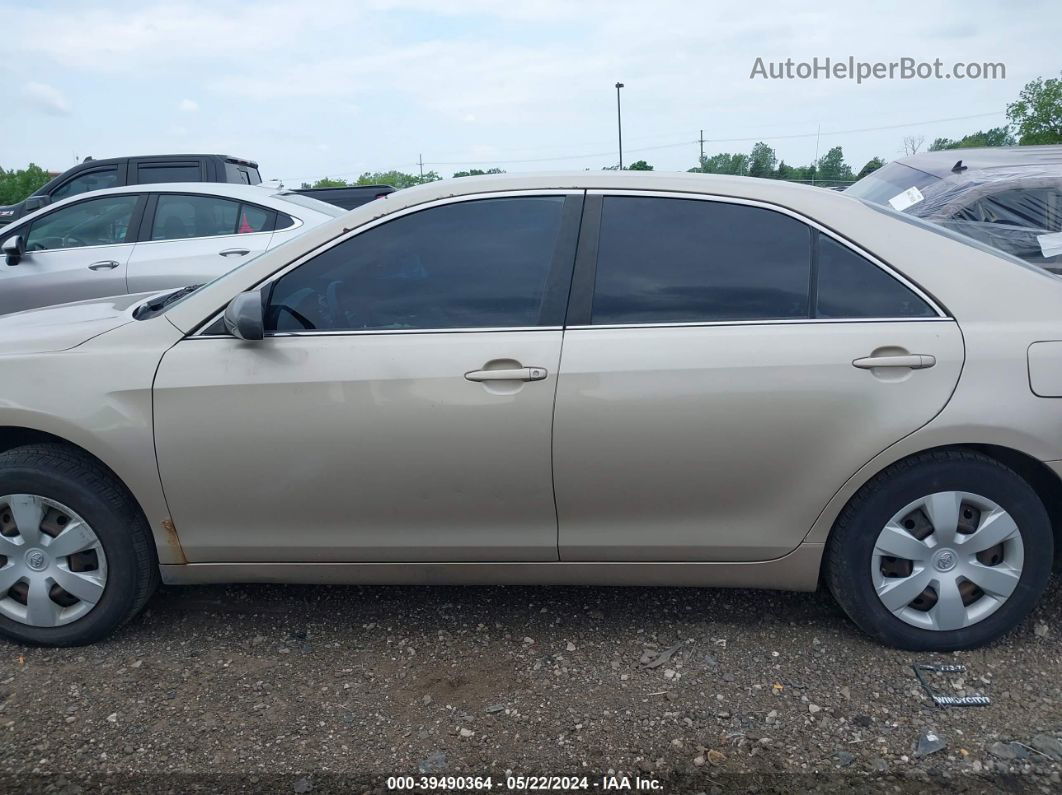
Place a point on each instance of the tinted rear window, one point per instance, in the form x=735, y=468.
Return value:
x=687, y=260
x=155, y=173
x=242, y=174
x=179, y=216
x=850, y=286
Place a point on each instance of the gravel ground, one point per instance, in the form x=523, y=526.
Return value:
x=293, y=689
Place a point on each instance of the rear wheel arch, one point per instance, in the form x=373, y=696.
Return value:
x=1041, y=478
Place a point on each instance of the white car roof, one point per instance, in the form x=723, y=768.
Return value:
x=266, y=195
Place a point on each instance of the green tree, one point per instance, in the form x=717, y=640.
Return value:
x=397, y=179
x=16, y=185
x=996, y=136
x=639, y=165
x=330, y=182
x=1037, y=115
x=832, y=170
x=872, y=165
x=724, y=163
x=476, y=172
x=762, y=161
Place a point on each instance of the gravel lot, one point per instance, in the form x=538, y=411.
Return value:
x=293, y=689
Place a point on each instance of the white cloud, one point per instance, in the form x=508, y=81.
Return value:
x=45, y=98
x=475, y=80
x=188, y=106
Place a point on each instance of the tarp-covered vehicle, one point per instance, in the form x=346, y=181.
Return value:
x=1006, y=197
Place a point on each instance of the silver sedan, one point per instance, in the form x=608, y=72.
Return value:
x=581, y=378
x=145, y=237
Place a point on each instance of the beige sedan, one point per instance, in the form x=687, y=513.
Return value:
x=586, y=378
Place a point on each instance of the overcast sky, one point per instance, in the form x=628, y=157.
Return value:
x=313, y=89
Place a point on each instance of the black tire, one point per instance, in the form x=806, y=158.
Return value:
x=850, y=547
x=73, y=478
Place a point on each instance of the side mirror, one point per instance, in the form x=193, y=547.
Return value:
x=14, y=248
x=34, y=203
x=245, y=316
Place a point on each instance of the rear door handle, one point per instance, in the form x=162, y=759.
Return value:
x=512, y=374
x=914, y=361
x=229, y=252
x=105, y=265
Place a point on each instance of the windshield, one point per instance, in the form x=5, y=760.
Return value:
x=888, y=181
x=310, y=203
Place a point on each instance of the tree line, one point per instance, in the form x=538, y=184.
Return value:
x=1034, y=118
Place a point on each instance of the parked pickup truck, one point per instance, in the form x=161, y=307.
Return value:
x=118, y=172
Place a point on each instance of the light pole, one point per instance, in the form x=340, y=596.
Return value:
x=619, y=124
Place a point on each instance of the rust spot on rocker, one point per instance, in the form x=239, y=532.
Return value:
x=173, y=541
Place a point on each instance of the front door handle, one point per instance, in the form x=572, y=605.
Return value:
x=510, y=374
x=105, y=265
x=914, y=361
x=237, y=252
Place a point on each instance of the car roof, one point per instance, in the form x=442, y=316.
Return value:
x=235, y=190
x=940, y=163
x=109, y=161
x=676, y=181
x=268, y=195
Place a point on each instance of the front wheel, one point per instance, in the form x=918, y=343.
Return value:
x=942, y=551
x=76, y=557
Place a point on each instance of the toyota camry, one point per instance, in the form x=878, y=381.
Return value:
x=610, y=379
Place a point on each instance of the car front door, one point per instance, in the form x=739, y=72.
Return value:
x=192, y=238
x=400, y=406
x=726, y=368
x=75, y=252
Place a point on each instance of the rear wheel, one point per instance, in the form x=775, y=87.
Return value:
x=946, y=550
x=76, y=557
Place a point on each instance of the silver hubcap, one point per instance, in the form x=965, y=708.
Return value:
x=52, y=566
x=947, y=561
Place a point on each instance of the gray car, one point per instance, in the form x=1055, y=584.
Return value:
x=145, y=237
x=611, y=378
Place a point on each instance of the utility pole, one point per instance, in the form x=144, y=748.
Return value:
x=815, y=165
x=619, y=124
x=701, y=161
x=420, y=162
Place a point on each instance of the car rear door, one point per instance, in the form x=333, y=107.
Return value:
x=191, y=238
x=400, y=406
x=726, y=368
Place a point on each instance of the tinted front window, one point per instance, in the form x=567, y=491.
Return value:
x=96, y=222
x=476, y=264
x=179, y=216
x=150, y=173
x=850, y=286
x=686, y=260
x=92, y=180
